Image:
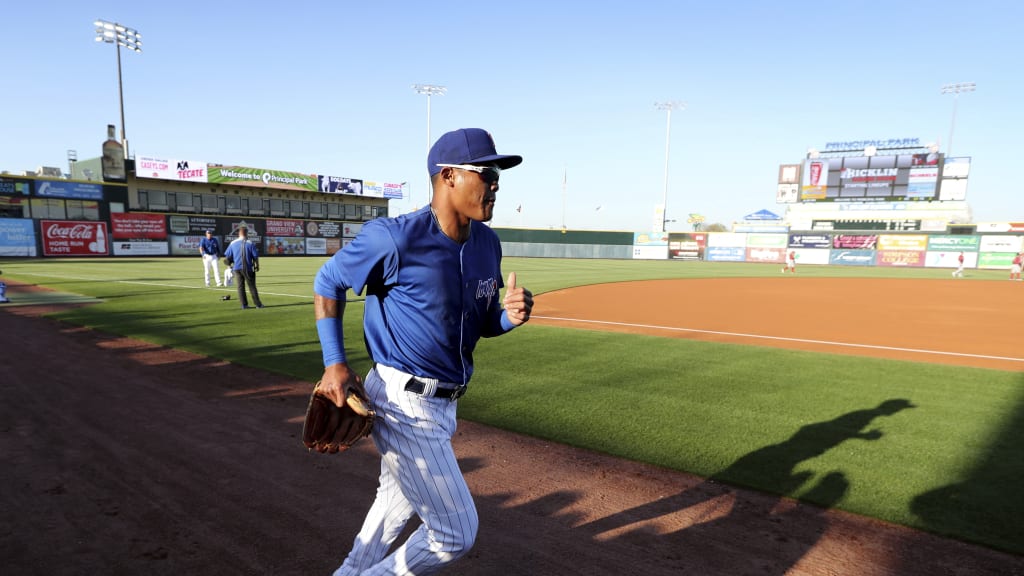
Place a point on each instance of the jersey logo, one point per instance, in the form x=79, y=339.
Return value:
x=487, y=289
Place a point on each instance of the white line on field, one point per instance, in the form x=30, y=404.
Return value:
x=163, y=284
x=782, y=338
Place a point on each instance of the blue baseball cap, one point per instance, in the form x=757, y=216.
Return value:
x=468, y=146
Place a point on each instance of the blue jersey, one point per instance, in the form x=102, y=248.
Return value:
x=429, y=299
x=242, y=253
x=210, y=246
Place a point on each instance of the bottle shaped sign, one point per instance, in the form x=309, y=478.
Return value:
x=100, y=245
x=113, y=157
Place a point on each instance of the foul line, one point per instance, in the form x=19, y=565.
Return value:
x=161, y=284
x=783, y=338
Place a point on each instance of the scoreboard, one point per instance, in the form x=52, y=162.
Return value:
x=914, y=177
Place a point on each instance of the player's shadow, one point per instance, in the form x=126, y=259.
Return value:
x=732, y=532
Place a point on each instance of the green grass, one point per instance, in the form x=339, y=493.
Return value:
x=775, y=420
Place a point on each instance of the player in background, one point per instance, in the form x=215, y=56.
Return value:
x=959, y=272
x=790, y=263
x=209, y=249
x=244, y=260
x=432, y=280
x=1015, y=267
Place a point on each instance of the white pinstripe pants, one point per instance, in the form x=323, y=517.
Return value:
x=418, y=475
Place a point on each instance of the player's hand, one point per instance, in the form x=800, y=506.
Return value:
x=518, y=301
x=337, y=380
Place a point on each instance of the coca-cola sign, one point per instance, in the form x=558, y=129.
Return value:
x=71, y=238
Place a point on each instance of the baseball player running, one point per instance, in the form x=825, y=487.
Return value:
x=432, y=279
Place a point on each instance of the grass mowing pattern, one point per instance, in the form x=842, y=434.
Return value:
x=776, y=420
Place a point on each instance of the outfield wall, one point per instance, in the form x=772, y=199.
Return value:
x=153, y=234
x=907, y=250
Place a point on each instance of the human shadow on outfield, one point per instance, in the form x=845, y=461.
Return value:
x=749, y=523
x=985, y=504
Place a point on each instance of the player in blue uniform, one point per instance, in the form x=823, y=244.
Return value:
x=209, y=249
x=244, y=260
x=432, y=281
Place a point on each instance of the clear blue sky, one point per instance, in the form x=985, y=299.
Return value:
x=325, y=87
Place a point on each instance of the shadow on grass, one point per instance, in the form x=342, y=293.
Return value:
x=728, y=516
x=987, y=505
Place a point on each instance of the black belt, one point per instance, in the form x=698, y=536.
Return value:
x=417, y=387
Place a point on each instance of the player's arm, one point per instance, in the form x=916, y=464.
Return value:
x=337, y=377
x=372, y=254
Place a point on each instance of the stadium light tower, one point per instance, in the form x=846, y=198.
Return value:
x=669, y=107
x=118, y=35
x=429, y=90
x=955, y=90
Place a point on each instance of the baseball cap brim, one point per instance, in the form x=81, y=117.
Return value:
x=503, y=161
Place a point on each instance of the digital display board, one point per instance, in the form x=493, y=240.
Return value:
x=881, y=178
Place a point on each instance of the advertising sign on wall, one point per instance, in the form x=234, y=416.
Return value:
x=17, y=237
x=188, y=245
x=323, y=229
x=997, y=260
x=72, y=238
x=810, y=241
x=726, y=253
x=68, y=189
x=954, y=243
x=950, y=259
x=687, y=246
x=281, y=246
x=1001, y=243
x=349, y=230
x=767, y=240
x=284, y=228
x=260, y=178
x=316, y=246
x=135, y=226
x=811, y=256
x=127, y=248
x=191, y=224
x=902, y=242
x=170, y=169
x=856, y=241
x=852, y=257
x=766, y=254
x=738, y=240
x=907, y=258
x=815, y=179
x=339, y=185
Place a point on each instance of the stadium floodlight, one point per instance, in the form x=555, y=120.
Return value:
x=668, y=106
x=955, y=90
x=429, y=90
x=118, y=35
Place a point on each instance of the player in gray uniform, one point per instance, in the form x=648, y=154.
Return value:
x=432, y=280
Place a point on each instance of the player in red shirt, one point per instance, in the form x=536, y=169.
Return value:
x=790, y=262
x=959, y=272
x=1016, y=266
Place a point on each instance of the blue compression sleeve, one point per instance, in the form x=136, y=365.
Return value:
x=331, y=340
x=506, y=324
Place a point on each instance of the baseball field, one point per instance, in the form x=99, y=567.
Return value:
x=666, y=417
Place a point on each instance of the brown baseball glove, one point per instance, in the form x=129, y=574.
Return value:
x=330, y=428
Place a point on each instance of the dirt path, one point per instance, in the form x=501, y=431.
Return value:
x=121, y=457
